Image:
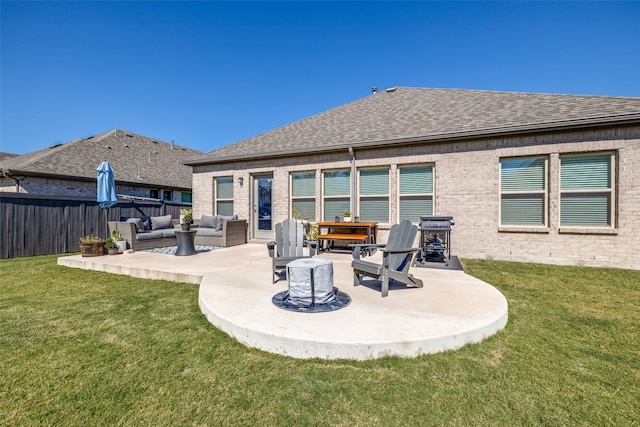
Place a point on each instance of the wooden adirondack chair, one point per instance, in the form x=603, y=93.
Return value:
x=288, y=246
x=397, y=257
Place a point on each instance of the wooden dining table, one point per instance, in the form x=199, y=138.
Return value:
x=330, y=231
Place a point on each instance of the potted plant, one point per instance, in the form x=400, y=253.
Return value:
x=346, y=215
x=121, y=243
x=91, y=246
x=295, y=214
x=111, y=247
x=186, y=218
x=312, y=234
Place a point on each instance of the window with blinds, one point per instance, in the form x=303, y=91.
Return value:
x=415, y=192
x=523, y=191
x=336, y=193
x=373, y=195
x=303, y=195
x=224, y=195
x=186, y=197
x=586, y=190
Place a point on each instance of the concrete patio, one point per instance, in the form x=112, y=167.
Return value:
x=451, y=310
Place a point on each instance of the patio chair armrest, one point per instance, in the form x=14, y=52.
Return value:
x=234, y=231
x=127, y=229
x=313, y=247
x=400, y=250
x=363, y=249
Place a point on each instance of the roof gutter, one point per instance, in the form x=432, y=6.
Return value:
x=8, y=174
x=630, y=119
x=23, y=173
x=14, y=172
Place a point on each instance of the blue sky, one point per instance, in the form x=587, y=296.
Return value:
x=207, y=74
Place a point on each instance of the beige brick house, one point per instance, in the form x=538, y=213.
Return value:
x=527, y=177
x=143, y=167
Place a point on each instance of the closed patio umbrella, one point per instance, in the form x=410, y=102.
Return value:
x=106, y=187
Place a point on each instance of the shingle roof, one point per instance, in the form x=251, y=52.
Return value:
x=7, y=155
x=403, y=114
x=135, y=159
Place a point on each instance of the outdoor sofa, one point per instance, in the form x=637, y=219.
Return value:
x=221, y=231
x=157, y=232
x=146, y=232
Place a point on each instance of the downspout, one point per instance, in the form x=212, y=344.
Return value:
x=353, y=182
x=7, y=175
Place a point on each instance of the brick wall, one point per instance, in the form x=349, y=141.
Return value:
x=467, y=181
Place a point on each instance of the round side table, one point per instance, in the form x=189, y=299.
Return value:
x=185, y=242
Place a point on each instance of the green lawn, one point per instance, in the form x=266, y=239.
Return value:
x=88, y=348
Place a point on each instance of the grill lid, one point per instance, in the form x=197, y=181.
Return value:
x=436, y=222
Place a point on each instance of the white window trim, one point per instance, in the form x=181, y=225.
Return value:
x=543, y=228
x=590, y=229
x=387, y=194
x=431, y=194
x=293, y=198
x=215, y=194
x=324, y=197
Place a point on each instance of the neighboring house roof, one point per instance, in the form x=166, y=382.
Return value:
x=7, y=156
x=136, y=160
x=405, y=115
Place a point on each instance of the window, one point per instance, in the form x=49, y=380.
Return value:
x=303, y=195
x=154, y=194
x=523, y=191
x=416, y=192
x=337, y=193
x=586, y=190
x=185, y=197
x=374, y=195
x=166, y=195
x=224, y=195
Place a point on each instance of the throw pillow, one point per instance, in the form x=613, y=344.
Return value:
x=222, y=218
x=146, y=222
x=138, y=223
x=160, y=222
x=208, y=221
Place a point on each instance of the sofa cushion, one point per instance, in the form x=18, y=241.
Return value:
x=146, y=221
x=168, y=232
x=208, y=221
x=161, y=222
x=208, y=232
x=148, y=235
x=138, y=223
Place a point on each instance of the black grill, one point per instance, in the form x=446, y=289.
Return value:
x=435, y=239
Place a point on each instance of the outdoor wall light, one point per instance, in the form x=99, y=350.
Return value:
x=240, y=180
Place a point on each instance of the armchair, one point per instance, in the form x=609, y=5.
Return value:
x=397, y=255
x=288, y=245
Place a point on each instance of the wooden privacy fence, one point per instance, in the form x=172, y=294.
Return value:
x=39, y=225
